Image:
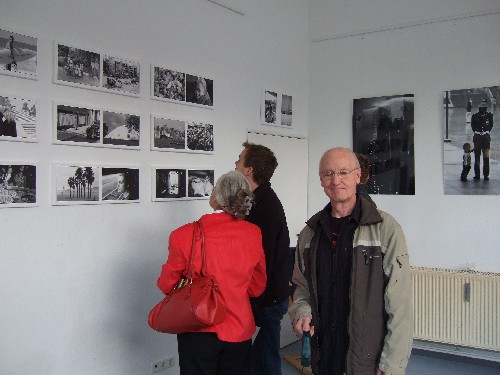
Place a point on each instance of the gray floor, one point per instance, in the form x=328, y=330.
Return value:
x=421, y=363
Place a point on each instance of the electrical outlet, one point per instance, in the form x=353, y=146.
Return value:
x=163, y=364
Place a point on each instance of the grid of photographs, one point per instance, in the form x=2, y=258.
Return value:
x=18, y=55
x=181, y=135
x=90, y=184
x=170, y=184
x=97, y=71
x=276, y=109
x=74, y=125
x=17, y=185
x=172, y=85
x=17, y=119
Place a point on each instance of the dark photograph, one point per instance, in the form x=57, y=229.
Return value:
x=17, y=185
x=169, y=84
x=200, y=183
x=79, y=125
x=17, y=119
x=199, y=90
x=18, y=54
x=268, y=107
x=471, y=147
x=78, y=66
x=120, y=129
x=120, y=184
x=168, y=134
x=286, y=110
x=170, y=184
x=121, y=75
x=383, y=131
x=76, y=184
x=200, y=137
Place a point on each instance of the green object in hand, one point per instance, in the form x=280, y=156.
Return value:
x=305, y=359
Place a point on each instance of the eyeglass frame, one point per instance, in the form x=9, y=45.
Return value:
x=342, y=174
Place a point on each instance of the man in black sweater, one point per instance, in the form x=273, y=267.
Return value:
x=257, y=163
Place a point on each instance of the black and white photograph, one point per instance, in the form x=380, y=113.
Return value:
x=268, y=107
x=169, y=184
x=383, y=131
x=18, y=54
x=286, y=110
x=121, y=75
x=78, y=66
x=120, y=184
x=168, y=84
x=17, y=119
x=17, y=185
x=199, y=90
x=200, y=137
x=200, y=183
x=471, y=144
x=77, y=125
x=121, y=129
x=168, y=134
x=76, y=184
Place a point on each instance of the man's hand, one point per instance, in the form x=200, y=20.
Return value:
x=303, y=325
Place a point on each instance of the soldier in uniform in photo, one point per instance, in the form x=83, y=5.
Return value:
x=482, y=123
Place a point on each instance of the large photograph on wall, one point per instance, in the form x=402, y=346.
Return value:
x=383, y=130
x=471, y=147
x=17, y=185
x=17, y=119
x=75, y=184
x=18, y=54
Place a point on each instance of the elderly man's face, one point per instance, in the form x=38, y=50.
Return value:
x=339, y=190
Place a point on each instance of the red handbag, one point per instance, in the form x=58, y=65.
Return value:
x=193, y=303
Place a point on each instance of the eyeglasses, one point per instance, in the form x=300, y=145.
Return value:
x=328, y=174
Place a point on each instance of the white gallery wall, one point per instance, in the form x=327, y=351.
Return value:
x=426, y=58
x=77, y=282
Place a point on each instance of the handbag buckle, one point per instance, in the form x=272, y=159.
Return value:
x=183, y=282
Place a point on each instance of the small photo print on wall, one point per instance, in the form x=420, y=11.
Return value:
x=17, y=185
x=471, y=147
x=18, y=54
x=120, y=184
x=383, y=130
x=200, y=137
x=121, y=129
x=78, y=66
x=75, y=184
x=286, y=110
x=168, y=84
x=17, y=119
x=200, y=183
x=168, y=134
x=121, y=75
x=169, y=184
x=199, y=90
x=268, y=107
x=77, y=125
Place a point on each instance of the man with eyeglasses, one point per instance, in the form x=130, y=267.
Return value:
x=353, y=280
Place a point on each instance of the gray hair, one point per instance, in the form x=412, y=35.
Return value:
x=233, y=193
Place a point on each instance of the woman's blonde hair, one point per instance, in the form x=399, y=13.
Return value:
x=233, y=193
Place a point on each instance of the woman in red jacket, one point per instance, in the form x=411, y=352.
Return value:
x=235, y=256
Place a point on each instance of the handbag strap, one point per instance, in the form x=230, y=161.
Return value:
x=190, y=268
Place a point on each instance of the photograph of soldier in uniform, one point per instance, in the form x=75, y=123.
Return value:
x=76, y=184
x=168, y=134
x=383, y=130
x=17, y=185
x=168, y=84
x=17, y=119
x=120, y=129
x=170, y=183
x=18, y=54
x=471, y=116
x=78, y=66
x=268, y=107
x=200, y=137
x=120, y=75
x=286, y=110
x=120, y=184
x=200, y=183
x=199, y=90
x=79, y=125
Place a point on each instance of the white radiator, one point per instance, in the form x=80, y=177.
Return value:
x=457, y=307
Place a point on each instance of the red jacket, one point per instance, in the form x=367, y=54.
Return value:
x=235, y=256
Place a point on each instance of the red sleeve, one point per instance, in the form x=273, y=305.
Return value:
x=259, y=278
x=172, y=270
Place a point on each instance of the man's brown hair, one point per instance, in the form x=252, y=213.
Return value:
x=262, y=160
